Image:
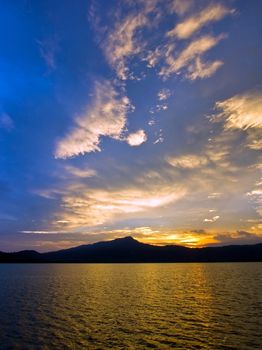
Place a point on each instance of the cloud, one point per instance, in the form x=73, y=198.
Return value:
x=200, y=69
x=238, y=237
x=180, y=7
x=164, y=94
x=256, y=198
x=213, y=219
x=190, y=59
x=214, y=195
x=84, y=206
x=48, y=50
x=106, y=116
x=136, y=138
x=190, y=25
x=6, y=122
x=79, y=172
x=255, y=145
x=40, y=232
x=189, y=161
x=240, y=111
x=124, y=40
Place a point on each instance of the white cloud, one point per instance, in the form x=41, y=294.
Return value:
x=136, y=138
x=153, y=57
x=189, y=161
x=191, y=59
x=189, y=26
x=79, y=172
x=164, y=94
x=82, y=206
x=214, y=195
x=106, y=116
x=180, y=6
x=124, y=40
x=213, y=219
x=199, y=69
x=255, y=145
x=256, y=198
x=241, y=111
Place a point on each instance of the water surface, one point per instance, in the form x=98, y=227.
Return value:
x=131, y=306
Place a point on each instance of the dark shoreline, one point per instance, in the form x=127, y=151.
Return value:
x=128, y=250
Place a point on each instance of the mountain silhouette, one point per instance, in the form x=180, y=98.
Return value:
x=129, y=250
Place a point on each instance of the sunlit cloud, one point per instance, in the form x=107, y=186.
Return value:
x=191, y=59
x=160, y=139
x=123, y=41
x=240, y=111
x=200, y=69
x=190, y=25
x=164, y=94
x=180, y=6
x=213, y=219
x=237, y=237
x=80, y=172
x=256, y=199
x=84, y=206
x=189, y=161
x=214, y=195
x=40, y=232
x=106, y=116
x=255, y=144
x=136, y=138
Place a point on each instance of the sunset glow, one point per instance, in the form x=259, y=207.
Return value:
x=139, y=118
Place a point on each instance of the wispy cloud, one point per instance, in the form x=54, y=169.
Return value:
x=84, y=206
x=164, y=94
x=200, y=69
x=191, y=59
x=106, y=116
x=189, y=161
x=180, y=7
x=80, y=172
x=48, y=51
x=136, y=138
x=213, y=219
x=256, y=199
x=124, y=41
x=240, y=111
x=6, y=122
x=255, y=144
x=191, y=25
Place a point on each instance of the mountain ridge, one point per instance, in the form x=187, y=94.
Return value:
x=129, y=250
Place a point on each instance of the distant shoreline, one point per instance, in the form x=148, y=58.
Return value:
x=127, y=250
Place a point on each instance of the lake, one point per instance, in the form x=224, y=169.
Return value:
x=131, y=306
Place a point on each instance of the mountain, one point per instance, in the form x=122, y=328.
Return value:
x=127, y=249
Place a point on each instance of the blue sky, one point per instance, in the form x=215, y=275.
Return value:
x=130, y=117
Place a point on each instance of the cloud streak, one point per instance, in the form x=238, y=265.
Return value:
x=84, y=206
x=106, y=116
x=191, y=25
x=191, y=59
x=242, y=111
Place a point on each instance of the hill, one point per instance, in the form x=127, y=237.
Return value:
x=129, y=250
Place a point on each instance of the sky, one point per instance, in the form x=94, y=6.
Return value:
x=131, y=117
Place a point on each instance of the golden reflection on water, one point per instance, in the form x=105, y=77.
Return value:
x=131, y=306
